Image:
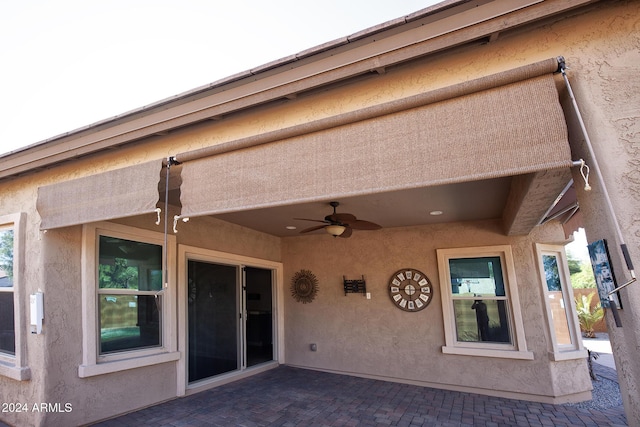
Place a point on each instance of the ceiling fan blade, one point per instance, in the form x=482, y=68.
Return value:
x=314, y=220
x=349, y=221
x=364, y=225
x=317, y=227
x=341, y=217
x=346, y=233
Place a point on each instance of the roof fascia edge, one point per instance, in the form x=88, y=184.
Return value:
x=48, y=153
x=432, y=10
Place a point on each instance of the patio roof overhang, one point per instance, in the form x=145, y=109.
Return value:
x=434, y=30
x=505, y=125
x=505, y=132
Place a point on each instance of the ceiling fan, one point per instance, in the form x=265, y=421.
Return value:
x=340, y=224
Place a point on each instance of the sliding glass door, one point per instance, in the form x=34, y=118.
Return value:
x=230, y=318
x=213, y=308
x=259, y=315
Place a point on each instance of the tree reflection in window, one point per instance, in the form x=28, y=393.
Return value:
x=118, y=275
x=6, y=257
x=129, y=281
x=7, y=313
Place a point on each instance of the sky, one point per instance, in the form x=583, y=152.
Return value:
x=578, y=248
x=66, y=64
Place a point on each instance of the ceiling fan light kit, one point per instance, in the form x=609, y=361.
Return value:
x=335, y=230
x=340, y=224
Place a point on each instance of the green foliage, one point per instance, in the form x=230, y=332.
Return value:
x=119, y=275
x=6, y=252
x=587, y=316
x=575, y=266
x=584, y=279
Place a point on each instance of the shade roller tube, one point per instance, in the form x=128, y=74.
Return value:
x=109, y=195
x=488, y=131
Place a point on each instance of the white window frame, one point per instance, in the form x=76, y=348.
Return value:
x=516, y=350
x=558, y=352
x=93, y=363
x=14, y=366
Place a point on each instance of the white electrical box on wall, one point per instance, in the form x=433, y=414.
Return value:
x=37, y=312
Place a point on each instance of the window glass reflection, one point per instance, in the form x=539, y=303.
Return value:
x=481, y=321
x=129, y=278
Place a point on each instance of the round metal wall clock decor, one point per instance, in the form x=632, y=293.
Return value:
x=410, y=290
x=304, y=286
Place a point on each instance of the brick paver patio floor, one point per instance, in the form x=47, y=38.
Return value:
x=288, y=396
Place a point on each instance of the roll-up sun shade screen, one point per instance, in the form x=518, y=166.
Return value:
x=509, y=129
x=115, y=194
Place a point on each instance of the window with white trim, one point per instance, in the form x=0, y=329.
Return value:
x=480, y=302
x=129, y=294
x=129, y=316
x=7, y=312
x=12, y=325
x=558, y=300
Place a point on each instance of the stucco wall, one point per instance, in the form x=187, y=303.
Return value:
x=105, y=395
x=214, y=234
x=93, y=398
x=602, y=48
x=19, y=196
x=372, y=337
x=53, y=261
x=604, y=75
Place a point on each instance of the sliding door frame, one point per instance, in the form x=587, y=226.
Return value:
x=186, y=253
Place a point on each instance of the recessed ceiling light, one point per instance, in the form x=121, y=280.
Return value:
x=291, y=227
x=436, y=213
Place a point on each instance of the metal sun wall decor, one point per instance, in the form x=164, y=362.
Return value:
x=304, y=286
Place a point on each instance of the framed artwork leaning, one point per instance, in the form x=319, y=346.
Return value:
x=605, y=279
